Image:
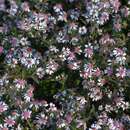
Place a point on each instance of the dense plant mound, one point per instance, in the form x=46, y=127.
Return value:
x=64, y=65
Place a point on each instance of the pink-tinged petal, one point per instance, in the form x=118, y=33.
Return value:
x=1, y=49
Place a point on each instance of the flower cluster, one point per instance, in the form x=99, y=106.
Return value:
x=64, y=65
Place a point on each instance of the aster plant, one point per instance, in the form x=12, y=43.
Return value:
x=64, y=65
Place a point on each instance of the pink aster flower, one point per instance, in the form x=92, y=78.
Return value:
x=116, y=4
x=26, y=114
x=121, y=72
x=3, y=107
x=104, y=17
x=20, y=83
x=88, y=50
x=71, y=56
x=42, y=119
x=88, y=71
x=9, y=121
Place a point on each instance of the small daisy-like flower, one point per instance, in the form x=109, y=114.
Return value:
x=3, y=107
x=26, y=114
x=88, y=51
x=88, y=71
x=42, y=119
x=73, y=27
x=121, y=72
x=120, y=56
x=20, y=83
x=9, y=121
x=65, y=53
x=71, y=56
x=104, y=17
x=51, y=67
x=82, y=30
x=116, y=4
x=120, y=103
x=40, y=72
x=117, y=25
x=23, y=41
x=95, y=93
